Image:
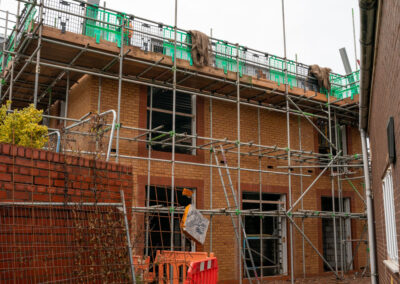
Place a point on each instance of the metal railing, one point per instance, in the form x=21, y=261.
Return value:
x=105, y=24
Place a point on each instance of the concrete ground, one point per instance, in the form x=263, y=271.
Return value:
x=349, y=279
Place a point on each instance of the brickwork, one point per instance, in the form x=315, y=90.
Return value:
x=384, y=104
x=273, y=132
x=53, y=235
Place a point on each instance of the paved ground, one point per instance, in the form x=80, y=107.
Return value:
x=349, y=279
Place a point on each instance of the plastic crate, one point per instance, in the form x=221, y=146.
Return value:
x=109, y=31
x=183, y=44
x=226, y=57
x=277, y=71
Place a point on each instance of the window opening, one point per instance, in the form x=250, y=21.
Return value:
x=267, y=235
x=159, y=223
x=328, y=242
x=323, y=143
x=185, y=121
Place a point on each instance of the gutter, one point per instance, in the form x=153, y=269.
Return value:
x=368, y=35
x=368, y=19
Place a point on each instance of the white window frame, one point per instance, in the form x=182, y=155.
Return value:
x=390, y=222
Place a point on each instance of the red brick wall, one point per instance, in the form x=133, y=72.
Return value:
x=385, y=102
x=43, y=240
x=273, y=132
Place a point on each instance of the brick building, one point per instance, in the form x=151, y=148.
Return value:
x=292, y=150
x=379, y=119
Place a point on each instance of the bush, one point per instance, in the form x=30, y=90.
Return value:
x=22, y=127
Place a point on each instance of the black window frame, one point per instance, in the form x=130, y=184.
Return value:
x=160, y=139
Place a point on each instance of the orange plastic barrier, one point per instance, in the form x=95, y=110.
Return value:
x=203, y=272
x=179, y=261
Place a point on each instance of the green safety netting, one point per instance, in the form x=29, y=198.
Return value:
x=344, y=86
x=109, y=28
x=27, y=26
x=106, y=25
x=226, y=57
x=183, y=44
x=277, y=71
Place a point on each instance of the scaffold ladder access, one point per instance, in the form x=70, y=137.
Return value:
x=236, y=204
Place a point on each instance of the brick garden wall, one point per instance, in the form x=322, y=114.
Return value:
x=48, y=231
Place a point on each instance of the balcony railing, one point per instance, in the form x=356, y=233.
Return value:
x=105, y=24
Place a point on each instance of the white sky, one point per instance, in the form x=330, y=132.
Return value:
x=315, y=29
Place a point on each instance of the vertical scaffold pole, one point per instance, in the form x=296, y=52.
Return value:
x=260, y=194
x=354, y=39
x=288, y=145
x=211, y=164
x=149, y=173
x=4, y=58
x=238, y=162
x=172, y=209
x=10, y=95
x=301, y=188
x=340, y=197
x=37, y=69
x=99, y=97
x=302, y=204
x=128, y=239
x=332, y=183
x=66, y=100
x=121, y=61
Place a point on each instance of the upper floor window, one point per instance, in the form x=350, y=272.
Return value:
x=390, y=221
x=323, y=143
x=160, y=106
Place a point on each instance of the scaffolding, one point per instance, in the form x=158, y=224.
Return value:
x=22, y=58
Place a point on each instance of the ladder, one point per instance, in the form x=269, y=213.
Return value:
x=230, y=184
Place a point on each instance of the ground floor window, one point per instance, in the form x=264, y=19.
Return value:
x=159, y=237
x=266, y=236
x=328, y=243
x=390, y=218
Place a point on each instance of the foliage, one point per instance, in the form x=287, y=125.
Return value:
x=22, y=127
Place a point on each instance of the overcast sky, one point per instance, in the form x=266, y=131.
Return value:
x=315, y=29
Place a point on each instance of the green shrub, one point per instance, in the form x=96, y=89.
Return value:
x=22, y=127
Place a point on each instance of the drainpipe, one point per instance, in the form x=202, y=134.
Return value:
x=369, y=20
x=370, y=213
